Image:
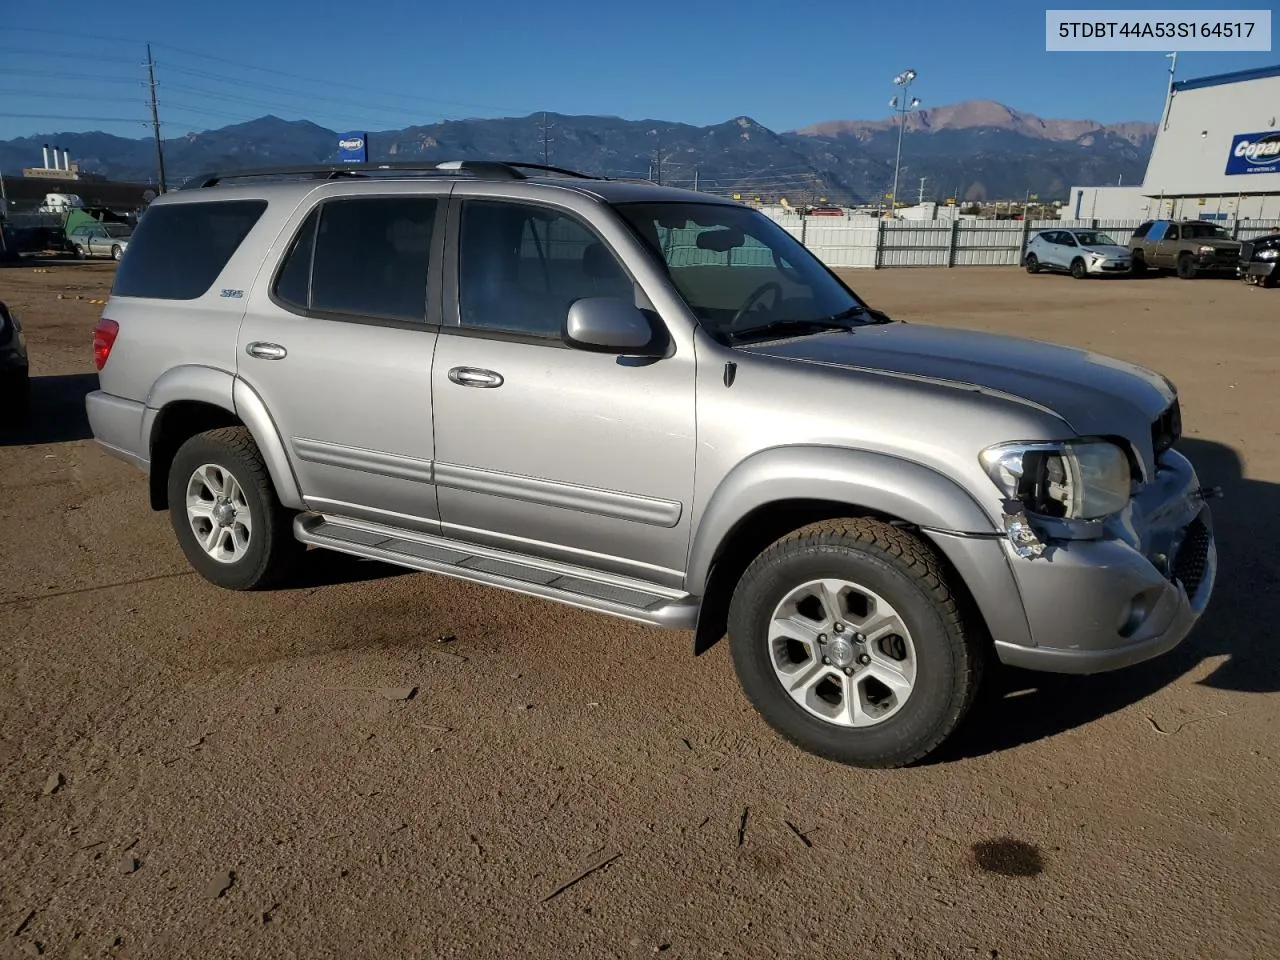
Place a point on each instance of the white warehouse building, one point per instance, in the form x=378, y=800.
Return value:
x=1216, y=155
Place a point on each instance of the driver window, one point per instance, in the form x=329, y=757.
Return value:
x=1171, y=233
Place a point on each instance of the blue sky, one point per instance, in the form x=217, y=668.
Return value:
x=396, y=62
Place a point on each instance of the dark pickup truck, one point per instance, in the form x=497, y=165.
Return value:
x=1190, y=248
x=1258, y=259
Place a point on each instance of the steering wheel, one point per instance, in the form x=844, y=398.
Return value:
x=756, y=295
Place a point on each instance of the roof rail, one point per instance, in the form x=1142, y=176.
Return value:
x=487, y=169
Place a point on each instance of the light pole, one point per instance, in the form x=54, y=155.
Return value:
x=903, y=80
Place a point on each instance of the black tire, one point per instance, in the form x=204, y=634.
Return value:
x=273, y=552
x=950, y=656
x=1078, y=269
x=1138, y=265
x=1033, y=263
x=80, y=252
x=115, y=253
x=1186, y=267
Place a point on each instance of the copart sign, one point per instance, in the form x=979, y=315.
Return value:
x=1254, y=153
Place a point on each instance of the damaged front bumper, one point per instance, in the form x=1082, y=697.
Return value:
x=1130, y=593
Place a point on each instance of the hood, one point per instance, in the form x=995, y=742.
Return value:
x=1113, y=251
x=1095, y=394
x=1219, y=242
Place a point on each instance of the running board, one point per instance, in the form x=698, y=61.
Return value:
x=576, y=586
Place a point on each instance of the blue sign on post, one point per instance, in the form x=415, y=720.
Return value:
x=1254, y=153
x=353, y=148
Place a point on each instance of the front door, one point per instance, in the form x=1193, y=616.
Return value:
x=546, y=449
x=338, y=343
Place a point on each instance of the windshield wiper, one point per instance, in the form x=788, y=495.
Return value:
x=837, y=321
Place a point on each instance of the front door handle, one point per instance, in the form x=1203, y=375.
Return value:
x=266, y=351
x=475, y=377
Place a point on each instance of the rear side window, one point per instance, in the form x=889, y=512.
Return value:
x=362, y=257
x=178, y=251
x=1142, y=231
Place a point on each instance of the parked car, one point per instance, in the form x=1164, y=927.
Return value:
x=1258, y=259
x=15, y=380
x=1190, y=248
x=650, y=403
x=100, y=240
x=1081, y=253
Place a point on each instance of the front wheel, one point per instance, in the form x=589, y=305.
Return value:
x=225, y=513
x=1138, y=266
x=1186, y=267
x=1033, y=263
x=80, y=253
x=115, y=253
x=847, y=639
x=1078, y=269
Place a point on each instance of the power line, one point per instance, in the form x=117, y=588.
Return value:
x=66, y=96
x=337, y=83
x=55, y=116
x=57, y=74
x=96, y=57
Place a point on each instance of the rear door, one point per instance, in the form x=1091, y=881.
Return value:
x=338, y=341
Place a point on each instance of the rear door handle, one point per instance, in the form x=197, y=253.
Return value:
x=266, y=351
x=475, y=377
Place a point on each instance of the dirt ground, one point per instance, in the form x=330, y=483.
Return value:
x=189, y=772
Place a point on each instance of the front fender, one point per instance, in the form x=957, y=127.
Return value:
x=872, y=481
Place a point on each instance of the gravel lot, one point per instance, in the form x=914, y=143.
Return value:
x=189, y=772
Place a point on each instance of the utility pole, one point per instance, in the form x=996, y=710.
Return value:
x=155, y=117
x=920, y=199
x=695, y=179
x=546, y=141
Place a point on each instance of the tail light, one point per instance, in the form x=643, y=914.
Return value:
x=104, y=338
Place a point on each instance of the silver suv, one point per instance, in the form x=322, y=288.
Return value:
x=650, y=403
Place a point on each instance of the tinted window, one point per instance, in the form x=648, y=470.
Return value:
x=371, y=257
x=736, y=269
x=1142, y=230
x=293, y=282
x=177, y=252
x=521, y=267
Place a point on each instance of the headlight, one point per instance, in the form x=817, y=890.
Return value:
x=1206, y=249
x=1269, y=254
x=1074, y=480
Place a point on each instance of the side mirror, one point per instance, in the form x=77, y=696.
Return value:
x=609, y=325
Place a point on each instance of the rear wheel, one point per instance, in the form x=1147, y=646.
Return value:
x=1033, y=263
x=225, y=513
x=1186, y=267
x=847, y=639
x=1078, y=269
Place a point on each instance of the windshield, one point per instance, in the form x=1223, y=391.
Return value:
x=1087, y=239
x=1204, y=231
x=738, y=270
x=117, y=230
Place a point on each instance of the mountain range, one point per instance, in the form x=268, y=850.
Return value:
x=981, y=148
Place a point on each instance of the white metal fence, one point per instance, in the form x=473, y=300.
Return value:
x=869, y=242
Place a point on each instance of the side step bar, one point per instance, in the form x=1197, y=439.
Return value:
x=575, y=586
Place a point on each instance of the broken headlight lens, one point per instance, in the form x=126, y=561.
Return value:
x=1072, y=480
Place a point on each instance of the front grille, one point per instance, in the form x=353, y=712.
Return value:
x=1167, y=428
x=1192, y=561
x=1246, y=251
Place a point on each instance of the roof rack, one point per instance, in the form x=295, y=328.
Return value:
x=487, y=169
